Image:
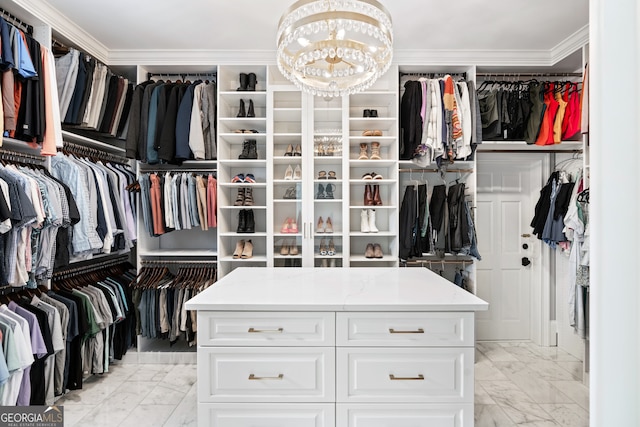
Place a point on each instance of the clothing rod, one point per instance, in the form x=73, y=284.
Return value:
x=528, y=74
x=17, y=21
x=433, y=74
x=4, y=152
x=177, y=170
x=83, y=141
x=577, y=150
x=425, y=261
x=435, y=170
x=90, y=151
x=163, y=262
x=91, y=266
x=182, y=76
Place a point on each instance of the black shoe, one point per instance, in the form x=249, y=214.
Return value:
x=251, y=112
x=252, y=149
x=320, y=194
x=245, y=149
x=329, y=188
x=250, y=223
x=374, y=113
x=366, y=113
x=242, y=221
x=244, y=78
x=251, y=84
x=242, y=112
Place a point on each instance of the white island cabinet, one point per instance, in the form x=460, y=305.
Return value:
x=344, y=347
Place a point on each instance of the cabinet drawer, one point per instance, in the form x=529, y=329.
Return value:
x=265, y=415
x=397, y=415
x=266, y=374
x=265, y=328
x=406, y=375
x=405, y=329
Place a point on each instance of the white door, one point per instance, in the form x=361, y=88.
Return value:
x=508, y=188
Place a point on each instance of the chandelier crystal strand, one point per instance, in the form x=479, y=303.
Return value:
x=334, y=47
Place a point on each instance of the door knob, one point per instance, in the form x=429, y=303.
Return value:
x=525, y=261
x=525, y=246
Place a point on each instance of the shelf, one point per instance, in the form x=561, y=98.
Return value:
x=327, y=159
x=284, y=138
x=459, y=164
x=327, y=200
x=287, y=181
x=327, y=181
x=373, y=181
x=241, y=207
x=178, y=253
x=378, y=234
x=383, y=140
x=372, y=163
x=362, y=258
x=238, y=138
x=256, y=258
x=287, y=234
x=242, y=184
x=278, y=256
x=244, y=93
x=372, y=207
x=523, y=146
x=257, y=123
x=287, y=200
x=372, y=123
x=287, y=114
x=232, y=234
x=243, y=163
x=284, y=160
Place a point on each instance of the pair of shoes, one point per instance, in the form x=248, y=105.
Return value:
x=248, y=178
x=293, y=151
x=327, y=249
x=373, y=250
x=371, y=175
x=293, y=174
x=375, y=132
x=370, y=113
x=290, y=193
x=368, y=221
x=372, y=195
x=324, y=227
x=244, y=197
x=249, y=149
x=243, y=250
x=325, y=192
x=324, y=150
x=246, y=222
x=323, y=175
x=328, y=263
x=289, y=249
x=247, y=82
x=246, y=131
x=375, y=151
x=289, y=226
x=250, y=112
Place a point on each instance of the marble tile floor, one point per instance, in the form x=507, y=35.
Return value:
x=516, y=384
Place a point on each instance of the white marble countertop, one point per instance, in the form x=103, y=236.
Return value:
x=334, y=289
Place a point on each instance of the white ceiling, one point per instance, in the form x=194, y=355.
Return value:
x=251, y=24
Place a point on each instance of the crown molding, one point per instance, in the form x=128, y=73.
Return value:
x=63, y=26
x=494, y=58
x=191, y=57
x=569, y=45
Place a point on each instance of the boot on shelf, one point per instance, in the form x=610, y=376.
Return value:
x=375, y=151
x=245, y=149
x=371, y=220
x=242, y=112
x=364, y=222
x=253, y=149
x=239, y=247
x=251, y=82
x=247, y=251
x=240, y=198
x=248, y=196
x=242, y=222
x=244, y=80
x=377, y=201
x=251, y=112
x=368, y=195
x=363, y=151
x=250, y=223
x=320, y=194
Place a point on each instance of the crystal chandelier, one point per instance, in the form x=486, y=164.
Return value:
x=334, y=47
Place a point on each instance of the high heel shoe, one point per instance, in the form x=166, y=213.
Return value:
x=285, y=225
x=247, y=251
x=323, y=248
x=328, y=226
x=297, y=151
x=290, y=193
x=332, y=249
x=297, y=173
x=288, y=173
x=289, y=151
x=320, y=226
x=242, y=112
x=293, y=249
x=293, y=226
x=284, y=249
x=239, y=247
x=322, y=175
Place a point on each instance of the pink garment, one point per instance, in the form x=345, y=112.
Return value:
x=53, y=129
x=212, y=200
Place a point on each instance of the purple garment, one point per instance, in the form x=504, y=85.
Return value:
x=39, y=350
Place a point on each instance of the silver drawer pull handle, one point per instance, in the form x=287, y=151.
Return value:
x=256, y=331
x=419, y=331
x=394, y=378
x=253, y=377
